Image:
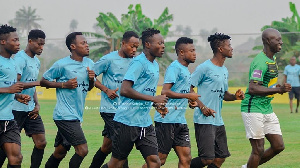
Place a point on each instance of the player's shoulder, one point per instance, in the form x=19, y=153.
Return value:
x=20, y=55
x=111, y=55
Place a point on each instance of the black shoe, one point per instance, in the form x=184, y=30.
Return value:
x=291, y=112
x=296, y=110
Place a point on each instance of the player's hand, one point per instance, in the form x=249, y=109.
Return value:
x=193, y=104
x=207, y=111
x=16, y=88
x=71, y=84
x=286, y=87
x=91, y=73
x=239, y=95
x=35, y=112
x=22, y=98
x=161, y=99
x=162, y=109
x=112, y=94
x=193, y=96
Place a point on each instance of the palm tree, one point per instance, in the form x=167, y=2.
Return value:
x=73, y=25
x=290, y=30
x=26, y=19
x=133, y=20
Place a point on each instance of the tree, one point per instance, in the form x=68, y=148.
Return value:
x=290, y=30
x=73, y=25
x=25, y=20
x=133, y=20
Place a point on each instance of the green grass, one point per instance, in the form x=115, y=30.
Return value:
x=238, y=144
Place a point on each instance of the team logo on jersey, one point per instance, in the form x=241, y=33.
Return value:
x=257, y=74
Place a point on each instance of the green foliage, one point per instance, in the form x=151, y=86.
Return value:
x=290, y=31
x=133, y=20
x=25, y=20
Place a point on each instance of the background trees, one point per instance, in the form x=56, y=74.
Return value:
x=25, y=20
x=134, y=20
x=290, y=32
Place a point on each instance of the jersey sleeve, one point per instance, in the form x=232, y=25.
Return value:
x=20, y=64
x=53, y=73
x=101, y=65
x=258, y=71
x=171, y=74
x=197, y=76
x=134, y=71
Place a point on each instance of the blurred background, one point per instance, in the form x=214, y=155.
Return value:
x=104, y=23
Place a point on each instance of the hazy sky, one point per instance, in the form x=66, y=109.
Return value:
x=228, y=16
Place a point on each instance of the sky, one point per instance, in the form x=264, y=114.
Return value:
x=228, y=16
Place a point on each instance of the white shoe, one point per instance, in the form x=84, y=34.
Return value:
x=244, y=166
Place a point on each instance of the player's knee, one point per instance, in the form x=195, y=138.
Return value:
x=41, y=144
x=106, y=149
x=153, y=161
x=279, y=148
x=259, y=151
x=207, y=161
x=15, y=159
x=162, y=161
x=82, y=151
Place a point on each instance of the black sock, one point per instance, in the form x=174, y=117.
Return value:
x=36, y=157
x=196, y=163
x=75, y=161
x=13, y=166
x=104, y=166
x=2, y=157
x=212, y=166
x=125, y=165
x=98, y=159
x=52, y=162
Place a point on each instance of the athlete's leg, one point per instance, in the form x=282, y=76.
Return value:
x=184, y=155
x=277, y=146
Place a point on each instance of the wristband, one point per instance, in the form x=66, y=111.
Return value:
x=204, y=107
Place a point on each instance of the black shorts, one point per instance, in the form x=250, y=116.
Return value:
x=295, y=91
x=31, y=126
x=211, y=141
x=9, y=132
x=108, y=119
x=126, y=136
x=69, y=133
x=170, y=135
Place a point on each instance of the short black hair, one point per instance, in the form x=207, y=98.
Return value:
x=127, y=35
x=182, y=40
x=5, y=30
x=149, y=32
x=71, y=39
x=216, y=40
x=35, y=34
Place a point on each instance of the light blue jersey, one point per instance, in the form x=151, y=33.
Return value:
x=180, y=77
x=70, y=102
x=212, y=82
x=144, y=75
x=28, y=68
x=292, y=73
x=113, y=67
x=8, y=77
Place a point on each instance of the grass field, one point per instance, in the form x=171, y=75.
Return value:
x=238, y=145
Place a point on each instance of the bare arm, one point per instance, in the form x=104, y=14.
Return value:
x=28, y=84
x=112, y=94
x=205, y=110
x=284, y=79
x=15, y=88
x=239, y=95
x=166, y=90
x=128, y=91
x=70, y=84
x=257, y=89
